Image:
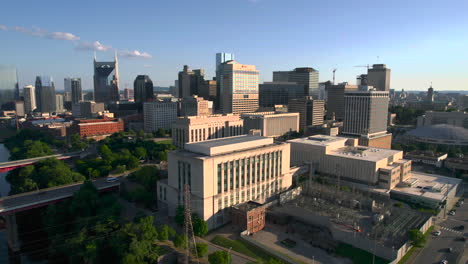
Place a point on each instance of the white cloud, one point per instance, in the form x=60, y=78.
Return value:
x=134, y=54
x=96, y=45
x=3, y=27
x=63, y=36
x=147, y=65
x=35, y=31
x=22, y=29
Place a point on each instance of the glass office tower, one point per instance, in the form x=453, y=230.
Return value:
x=9, y=91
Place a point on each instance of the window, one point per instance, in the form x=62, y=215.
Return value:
x=220, y=204
x=237, y=173
x=219, y=178
x=231, y=176
x=225, y=177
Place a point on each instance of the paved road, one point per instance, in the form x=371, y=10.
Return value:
x=436, y=248
x=14, y=163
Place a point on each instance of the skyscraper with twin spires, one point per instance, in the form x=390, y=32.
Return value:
x=106, y=80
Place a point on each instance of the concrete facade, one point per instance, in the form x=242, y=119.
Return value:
x=344, y=158
x=310, y=111
x=366, y=113
x=238, y=88
x=271, y=124
x=225, y=172
x=335, y=100
x=159, y=114
x=379, y=77
x=201, y=128
x=195, y=106
x=459, y=119
x=309, y=77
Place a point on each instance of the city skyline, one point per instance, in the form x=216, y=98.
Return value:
x=424, y=45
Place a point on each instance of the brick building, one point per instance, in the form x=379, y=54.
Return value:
x=249, y=216
x=97, y=128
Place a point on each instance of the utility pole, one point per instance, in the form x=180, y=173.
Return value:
x=188, y=227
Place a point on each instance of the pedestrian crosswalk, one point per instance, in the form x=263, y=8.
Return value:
x=451, y=230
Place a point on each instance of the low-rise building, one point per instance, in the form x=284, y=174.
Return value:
x=97, y=128
x=225, y=172
x=196, y=106
x=339, y=157
x=427, y=157
x=200, y=128
x=271, y=124
x=249, y=216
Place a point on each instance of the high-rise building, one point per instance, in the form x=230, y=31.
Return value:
x=239, y=88
x=45, y=94
x=87, y=109
x=220, y=59
x=190, y=81
x=271, y=124
x=335, y=100
x=76, y=92
x=309, y=77
x=208, y=90
x=310, y=111
x=379, y=77
x=430, y=94
x=142, y=90
x=195, y=106
x=159, y=114
x=279, y=93
x=67, y=84
x=225, y=172
x=19, y=108
x=59, y=103
x=200, y=128
x=29, y=96
x=9, y=90
x=366, y=114
x=106, y=81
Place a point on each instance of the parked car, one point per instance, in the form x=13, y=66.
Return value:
x=452, y=212
x=112, y=179
x=437, y=233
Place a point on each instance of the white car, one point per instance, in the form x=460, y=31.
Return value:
x=444, y=261
x=112, y=179
x=452, y=213
x=437, y=233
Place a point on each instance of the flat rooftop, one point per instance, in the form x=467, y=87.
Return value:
x=227, y=145
x=429, y=186
x=319, y=140
x=363, y=153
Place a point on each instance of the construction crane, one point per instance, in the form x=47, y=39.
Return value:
x=364, y=66
x=334, y=70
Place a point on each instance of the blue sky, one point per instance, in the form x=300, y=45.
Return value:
x=421, y=41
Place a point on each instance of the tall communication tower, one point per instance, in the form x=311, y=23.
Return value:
x=188, y=227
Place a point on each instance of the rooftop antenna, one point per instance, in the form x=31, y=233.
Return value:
x=95, y=55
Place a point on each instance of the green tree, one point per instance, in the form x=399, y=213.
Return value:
x=200, y=228
x=76, y=142
x=163, y=233
x=220, y=257
x=180, y=241
x=140, y=153
x=202, y=249
x=417, y=238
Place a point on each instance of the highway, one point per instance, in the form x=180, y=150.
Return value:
x=43, y=197
x=9, y=165
x=436, y=246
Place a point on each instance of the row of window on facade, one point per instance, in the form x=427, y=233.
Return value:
x=256, y=193
x=238, y=172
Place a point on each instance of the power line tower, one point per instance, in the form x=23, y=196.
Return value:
x=188, y=227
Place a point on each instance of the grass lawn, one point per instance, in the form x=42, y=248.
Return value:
x=168, y=141
x=242, y=247
x=358, y=255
